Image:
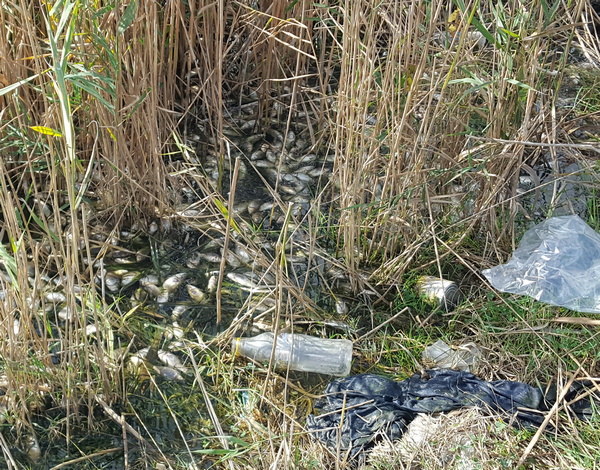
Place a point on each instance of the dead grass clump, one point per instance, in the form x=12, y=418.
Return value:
x=471, y=439
x=464, y=439
x=418, y=121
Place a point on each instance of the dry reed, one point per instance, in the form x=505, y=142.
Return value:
x=428, y=109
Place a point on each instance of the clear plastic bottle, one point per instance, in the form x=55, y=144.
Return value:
x=299, y=352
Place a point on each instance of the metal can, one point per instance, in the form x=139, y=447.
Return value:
x=443, y=293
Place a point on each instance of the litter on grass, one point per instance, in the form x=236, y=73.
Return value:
x=356, y=410
x=557, y=262
x=440, y=355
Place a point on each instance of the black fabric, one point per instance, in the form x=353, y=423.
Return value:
x=369, y=405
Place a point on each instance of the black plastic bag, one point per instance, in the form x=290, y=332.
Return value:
x=355, y=410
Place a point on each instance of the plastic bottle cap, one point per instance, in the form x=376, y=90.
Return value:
x=236, y=347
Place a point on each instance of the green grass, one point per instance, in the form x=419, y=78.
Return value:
x=94, y=97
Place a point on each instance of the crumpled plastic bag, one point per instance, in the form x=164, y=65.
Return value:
x=557, y=262
x=356, y=410
x=440, y=355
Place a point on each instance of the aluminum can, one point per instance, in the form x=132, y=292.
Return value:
x=441, y=292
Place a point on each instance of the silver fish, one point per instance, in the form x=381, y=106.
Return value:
x=173, y=282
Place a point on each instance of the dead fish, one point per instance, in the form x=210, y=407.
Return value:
x=32, y=448
x=211, y=286
x=162, y=297
x=90, y=329
x=278, y=136
x=129, y=278
x=242, y=280
x=246, y=147
x=341, y=307
x=290, y=178
x=166, y=225
x=3, y=408
x=139, y=295
x=188, y=213
x=150, y=279
x=66, y=314
x=174, y=332
x=301, y=143
x=123, y=260
x=254, y=205
x=257, y=155
x=311, y=157
x=258, y=217
x=172, y=283
x=299, y=198
x=178, y=311
x=112, y=282
x=290, y=138
x=264, y=164
x=287, y=189
x=305, y=169
x=137, y=365
x=167, y=358
x=55, y=297
x=243, y=254
x=151, y=289
x=193, y=262
x=317, y=172
x=232, y=259
x=303, y=177
x=266, y=206
x=267, y=245
x=272, y=175
x=210, y=257
x=142, y=353
x=169, y=373
x=241, y=207
x=195, y=293
x=298, y=209
x=214, y=244
x=272, y=156
x=172, y=360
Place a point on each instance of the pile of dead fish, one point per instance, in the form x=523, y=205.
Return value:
x=177, y=281
x=277, y=169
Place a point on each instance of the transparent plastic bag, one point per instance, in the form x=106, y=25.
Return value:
x=557, y=262
x=441, y=356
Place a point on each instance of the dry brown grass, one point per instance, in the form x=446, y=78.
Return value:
x=429, y=129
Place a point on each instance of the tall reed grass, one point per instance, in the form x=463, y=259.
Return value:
x=431, y=109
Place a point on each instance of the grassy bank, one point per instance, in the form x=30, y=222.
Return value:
x=429, y=122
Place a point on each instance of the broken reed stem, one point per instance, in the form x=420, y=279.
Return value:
x=280, y=276
x=119, y=419
x=553, y=412
x=86, y=457
x=209, y=406
x=379, y=327
x=566, y=145
x=228, y=228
